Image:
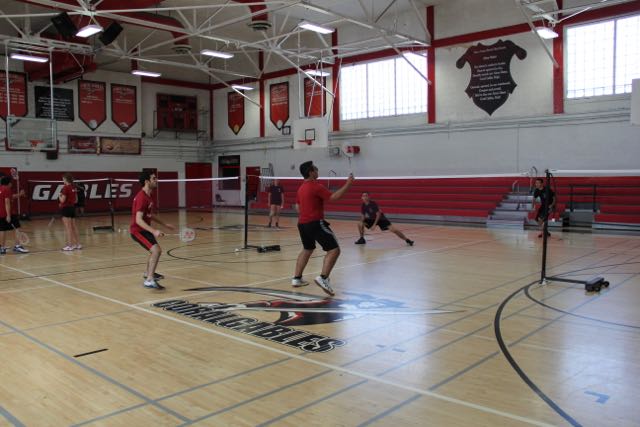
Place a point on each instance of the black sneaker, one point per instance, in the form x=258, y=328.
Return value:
x=156, y=276
x=361, y=241
x=409, y=242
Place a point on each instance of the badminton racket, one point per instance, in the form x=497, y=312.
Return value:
x=23, y=238
x=186, y=234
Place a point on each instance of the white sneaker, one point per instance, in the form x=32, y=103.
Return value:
x=78, y=246
x=298, y=283
x=325, y=284
x=68, y=248
x=152, y=284
x=20, y=249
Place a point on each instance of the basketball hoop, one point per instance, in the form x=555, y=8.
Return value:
x=34, y=144
x=306, y=141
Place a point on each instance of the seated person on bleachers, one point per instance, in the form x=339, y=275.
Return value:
x=371, y=215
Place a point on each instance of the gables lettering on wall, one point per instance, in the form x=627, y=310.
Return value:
x=491, y=81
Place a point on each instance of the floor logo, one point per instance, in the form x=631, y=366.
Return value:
x=293, y=308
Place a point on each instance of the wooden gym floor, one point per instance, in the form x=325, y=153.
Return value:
x=411, y=337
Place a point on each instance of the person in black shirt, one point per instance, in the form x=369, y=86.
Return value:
x=371, y=215
x=545, y=207
x=275, y=201
x=80, y=193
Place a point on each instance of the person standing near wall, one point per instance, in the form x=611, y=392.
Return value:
x=68, y=199
x=5, y=214
x=276, y=201
x=80, y=191
x=6, y=182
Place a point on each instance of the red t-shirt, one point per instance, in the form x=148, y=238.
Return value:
x=69, y=191
x=310, y=199
x=5, y=193
x=141, y=203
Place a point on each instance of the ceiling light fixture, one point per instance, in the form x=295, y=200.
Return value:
x=318, y=73
x=216, y=54
x=315, y=27
x=241, y=87
x=146, y=73
x=30, y=58
x=89, y=30
x=546, y=33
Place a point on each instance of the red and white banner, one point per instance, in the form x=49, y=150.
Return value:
x=279, y=104
x=17, y=93
x=43, y=189
x=124, y=108
x=315, y=101
x=235, y=108
x=92, y=103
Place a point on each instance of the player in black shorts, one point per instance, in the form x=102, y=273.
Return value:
x=371, y=215
x=546, y=199
x=276, y=201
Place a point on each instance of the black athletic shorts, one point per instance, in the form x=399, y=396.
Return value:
x=4, y=225
x=68, y=211
x=15, y=220
x=317, y=231
x=383, y=223
x=145, y=238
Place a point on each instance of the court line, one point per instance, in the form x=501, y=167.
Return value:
x=312, y=403
x=13, y=420
x=389, y=411
x=94, y=371
x=282, y=352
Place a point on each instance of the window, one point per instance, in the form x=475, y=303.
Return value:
x=603, y=58
x=390, y=87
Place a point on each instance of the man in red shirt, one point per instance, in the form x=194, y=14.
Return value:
x=67, y=208
x=313, y=228
x=142, y=231
x=5, y=216
x=6, y=181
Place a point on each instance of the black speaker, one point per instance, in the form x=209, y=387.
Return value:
x=65, y=26
x=110, y=33
x=52, y=155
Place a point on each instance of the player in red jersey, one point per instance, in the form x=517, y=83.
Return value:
x=68, y=201
x=142, y=231
x=313, y=228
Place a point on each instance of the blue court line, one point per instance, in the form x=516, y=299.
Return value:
x=66, y=322
x=258, y=397
x=13, y=420
x=94, y=371
x=312, y=403
x=391, y=410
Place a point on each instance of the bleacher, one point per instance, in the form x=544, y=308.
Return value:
x=616, y=199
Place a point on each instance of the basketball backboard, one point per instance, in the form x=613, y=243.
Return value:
x=31, y=134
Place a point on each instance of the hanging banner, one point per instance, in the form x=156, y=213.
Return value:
x=82, y=144
x=124, y=109
x=92, y=103
x=279, y=104
x=491, y=81
x=315, y=101
x=235, y=109
x=17, y=93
